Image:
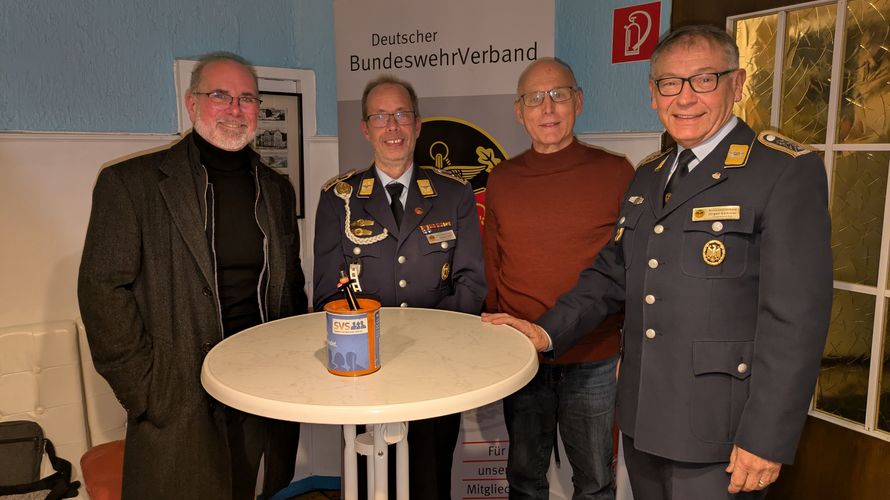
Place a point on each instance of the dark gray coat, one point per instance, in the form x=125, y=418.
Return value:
x=719, y=353
x=147, y=294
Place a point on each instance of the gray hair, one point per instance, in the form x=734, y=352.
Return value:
x=689, y=35
x=214, y=57
x=389, y=80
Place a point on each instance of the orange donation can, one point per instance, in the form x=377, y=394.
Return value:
x=353, y=337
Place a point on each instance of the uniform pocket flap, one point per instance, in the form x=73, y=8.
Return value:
x=718, y=356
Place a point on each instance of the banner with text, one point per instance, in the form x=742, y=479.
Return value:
x=463, y=58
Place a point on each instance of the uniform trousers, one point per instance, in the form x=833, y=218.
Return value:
x=431, y=445
x=657, y=478
x=252, y=437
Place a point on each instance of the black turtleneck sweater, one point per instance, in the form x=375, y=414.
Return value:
x=236, y=236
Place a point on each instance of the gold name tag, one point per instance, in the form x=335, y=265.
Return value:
x=441, y=236
x=726, y=212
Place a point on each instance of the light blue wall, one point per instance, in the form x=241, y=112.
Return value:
x=616, y=97
x=107, y=65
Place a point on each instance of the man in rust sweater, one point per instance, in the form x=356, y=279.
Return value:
x=548, y=213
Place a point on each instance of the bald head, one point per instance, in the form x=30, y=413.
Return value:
x=544, y=64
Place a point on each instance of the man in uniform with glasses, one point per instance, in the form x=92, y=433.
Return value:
x=556, y=204
x=406, y=236
x=722, y=260
x=186, y=246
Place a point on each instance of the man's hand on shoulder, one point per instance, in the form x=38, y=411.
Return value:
x=535, y=333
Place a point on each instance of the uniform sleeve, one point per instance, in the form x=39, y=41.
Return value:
x=110, y=265
x=598, y=293
x=793, y=311
x=328, y=251
x=468, y=269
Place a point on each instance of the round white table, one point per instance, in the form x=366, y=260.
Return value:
x=433, y=363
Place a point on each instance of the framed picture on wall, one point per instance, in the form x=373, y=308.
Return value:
x=279, y=138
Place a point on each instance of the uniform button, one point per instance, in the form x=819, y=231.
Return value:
x=403, y=304
x=653, y=263
x=402, y=259
x=650, y=299
x=356, y=251
x=206, y=291
x=658, y=229
x=621, y=220
x=743, y=367
x=444, y=244
x=650, y=333
x=403, y=283
x=717, y=226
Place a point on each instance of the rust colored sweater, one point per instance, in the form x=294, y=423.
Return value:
x=546, y=218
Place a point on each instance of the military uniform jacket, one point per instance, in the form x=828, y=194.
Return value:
x=434, y=260
x=728, y=296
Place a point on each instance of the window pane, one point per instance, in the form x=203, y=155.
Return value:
x=756, y=38
x=859, y=185
x=807, y=76
x=884, y=399
x=842, y=386
x=865, y=104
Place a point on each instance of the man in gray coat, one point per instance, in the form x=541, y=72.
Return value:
x=186, y=246
x=721, y=256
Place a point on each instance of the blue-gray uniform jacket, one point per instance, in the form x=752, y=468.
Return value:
x=728, y=297
x=433, y=261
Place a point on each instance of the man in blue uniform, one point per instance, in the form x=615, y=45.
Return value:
x=722, y=257
x=409, y=237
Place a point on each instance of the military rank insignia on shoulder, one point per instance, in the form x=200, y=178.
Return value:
x=654, y=156
x=337, y=178
x=446, y=174
x=777, y=141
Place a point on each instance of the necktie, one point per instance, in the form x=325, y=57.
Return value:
x=395, y=204
x=682, y=169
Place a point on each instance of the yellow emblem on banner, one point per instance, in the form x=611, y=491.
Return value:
x=713, y=253
x=426, y=189
x=725, y=212
x=737, y=155
x=619, y=234
x=446, y=269
x=366, y=187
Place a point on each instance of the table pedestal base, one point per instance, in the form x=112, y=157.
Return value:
x=374, y=445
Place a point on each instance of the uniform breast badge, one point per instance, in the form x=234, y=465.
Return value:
x=619, y=234
x=438, y=232
x=713, y=253
x=446, y=269
x=635, y=200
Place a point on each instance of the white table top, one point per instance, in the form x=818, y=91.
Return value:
x=432, y=363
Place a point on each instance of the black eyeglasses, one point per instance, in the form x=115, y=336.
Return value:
x=701, y=83
x=557, y=94
x=379, y=120
x=224, y=100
